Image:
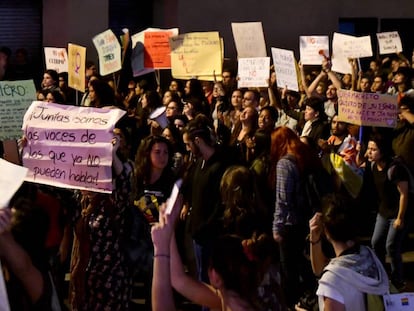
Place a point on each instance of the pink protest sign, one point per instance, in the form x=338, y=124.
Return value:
x=369, y=109
x=70, y=146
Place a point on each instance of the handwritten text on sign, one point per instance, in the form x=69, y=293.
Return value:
x=369, y=109
x=285, y=68
x=157, y=49
x=389, y=42
x=109, y=51
x=196, y=54
x=253, y=72
x=310, y=48
x=69, y=146
x=15, y=98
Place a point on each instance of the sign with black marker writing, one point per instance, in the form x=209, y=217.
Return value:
x=15, y=98
x=70, y=146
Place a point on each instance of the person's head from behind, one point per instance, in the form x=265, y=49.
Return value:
x=230, y=269
x=338, y=218
x=237, y=189
x=338, y=128
x=153, y=155
x=198, y=136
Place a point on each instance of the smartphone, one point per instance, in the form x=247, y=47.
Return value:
x=173, y=197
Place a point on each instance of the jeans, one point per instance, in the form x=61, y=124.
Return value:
x=388, y=241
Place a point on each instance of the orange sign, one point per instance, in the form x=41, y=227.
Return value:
x=157, y=49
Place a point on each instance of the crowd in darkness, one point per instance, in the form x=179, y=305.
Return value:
x=276, y=189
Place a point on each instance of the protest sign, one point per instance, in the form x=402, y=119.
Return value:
x=389, y=42
x=253, y=72
x=340, y=62
x=368, y=109
x=15, y=98
x=157, y=48
x=56, y=59
x=197, y=54
x=70, y=146
x=9, y=186
x=249, y=39
x=76, y=68
x=285, y=68
x=109, y=52
x=312, y=49
x=139, y=55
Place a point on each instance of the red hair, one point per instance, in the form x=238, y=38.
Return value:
x=285, y=141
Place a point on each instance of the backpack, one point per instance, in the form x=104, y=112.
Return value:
x=316, y=185
x=399, y=162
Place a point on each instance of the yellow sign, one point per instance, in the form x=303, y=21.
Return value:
x=197, y=54
x=76, y=68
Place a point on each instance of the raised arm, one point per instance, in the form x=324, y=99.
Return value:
x=326, y=66
x=318, y=259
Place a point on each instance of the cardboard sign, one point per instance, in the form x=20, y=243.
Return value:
x=249, y=39
x=310, y=48
x=368, y=109
x=76, y=68
x=9, y=186
x=139, y=53
x=340, y=61
x=157, y=48
x=389, y=42
x=109, y=52
x=15, y=98
x=197, y=54
x=285, y=68
x=70, y=146
x=253, y=72
x=56, y=59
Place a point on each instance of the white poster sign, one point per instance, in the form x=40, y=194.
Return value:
x=109, y=52
x=313, y=49
x=285, y=68
x=340, y=61
x=249, y=39
x=56, y=59
x=253, y=72
x=69, y=146
x=389, y=42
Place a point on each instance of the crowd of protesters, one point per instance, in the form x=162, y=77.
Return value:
x=247, y=232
